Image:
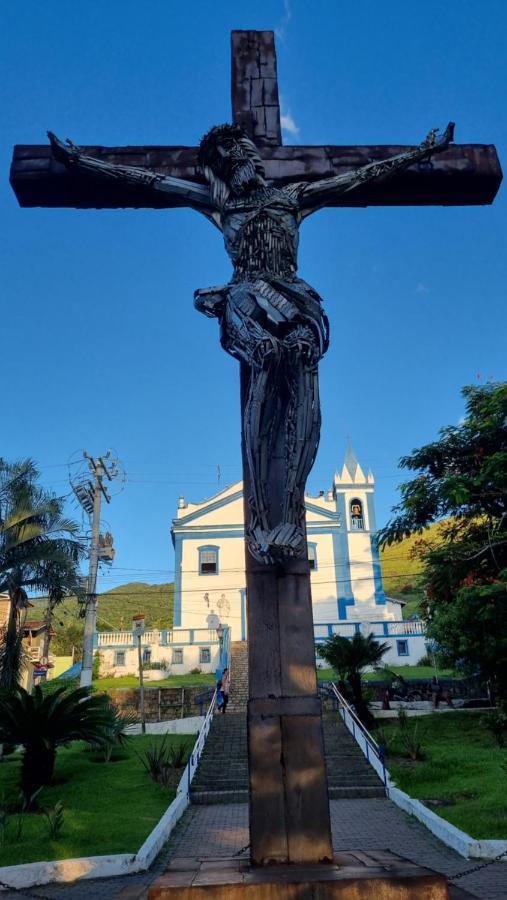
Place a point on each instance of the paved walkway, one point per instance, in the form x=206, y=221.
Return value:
x=222, y=830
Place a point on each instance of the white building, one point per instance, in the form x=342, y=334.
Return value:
x=347, y=590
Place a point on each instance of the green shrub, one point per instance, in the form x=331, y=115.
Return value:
x=496, y=723
x=55, y=819
x=114, y=733
x=41, y=723
x=408, y=735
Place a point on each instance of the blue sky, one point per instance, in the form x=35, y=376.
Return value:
x=101, y=346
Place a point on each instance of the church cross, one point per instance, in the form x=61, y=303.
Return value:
x=464, y=174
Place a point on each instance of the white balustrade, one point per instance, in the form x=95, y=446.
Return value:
x=393, y=629
x=178, y=637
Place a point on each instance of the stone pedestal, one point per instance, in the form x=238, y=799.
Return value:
x=376, y=875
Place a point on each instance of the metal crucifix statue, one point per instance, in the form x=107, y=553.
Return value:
x=270, y=319
x=257, y=192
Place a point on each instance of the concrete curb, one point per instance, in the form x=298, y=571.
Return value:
x=458, y=840
x=63, y=870
x=28, y=875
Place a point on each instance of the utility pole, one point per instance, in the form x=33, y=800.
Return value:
x=138, y=631
x=89, y=494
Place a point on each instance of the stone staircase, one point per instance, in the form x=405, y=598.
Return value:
x=348, y=772
x=238, y=696
x=222, y=775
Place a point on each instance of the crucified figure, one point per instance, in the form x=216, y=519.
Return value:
x=270, y=320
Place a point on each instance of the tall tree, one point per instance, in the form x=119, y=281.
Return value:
x=462, y=481
x=40, y=550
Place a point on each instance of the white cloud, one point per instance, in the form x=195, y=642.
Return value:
x=281, y=28
x=422, y=289
x=288, y=123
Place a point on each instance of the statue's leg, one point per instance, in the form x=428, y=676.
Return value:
x=244, y=337
x=301, y=354
x=261, y=420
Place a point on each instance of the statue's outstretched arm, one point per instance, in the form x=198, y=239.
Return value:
x=187, y=192
x=316, y=194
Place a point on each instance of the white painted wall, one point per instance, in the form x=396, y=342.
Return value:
x=191, y=659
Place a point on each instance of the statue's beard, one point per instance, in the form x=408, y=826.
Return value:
x=243, y=177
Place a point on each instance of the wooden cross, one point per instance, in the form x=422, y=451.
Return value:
x=465, y=174
x=289, y=809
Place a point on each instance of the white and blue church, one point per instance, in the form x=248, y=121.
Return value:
x=210, y=584
x=346, y=576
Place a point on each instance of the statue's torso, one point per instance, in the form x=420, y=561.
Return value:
x=261, y=233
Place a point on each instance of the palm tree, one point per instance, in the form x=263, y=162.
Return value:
x=42, y=723
x=349, y=657
x=39, y=550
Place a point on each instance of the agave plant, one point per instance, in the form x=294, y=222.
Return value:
x=42, y=723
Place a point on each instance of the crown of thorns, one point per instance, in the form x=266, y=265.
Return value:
x=222, y=134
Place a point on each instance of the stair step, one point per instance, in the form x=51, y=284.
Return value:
x=205, y=797
x=343, y=793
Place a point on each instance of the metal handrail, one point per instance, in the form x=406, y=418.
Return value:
x=370, y=744
x=193, y=762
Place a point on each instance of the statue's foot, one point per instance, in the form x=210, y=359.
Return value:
x=286, y=540
x=259, y=545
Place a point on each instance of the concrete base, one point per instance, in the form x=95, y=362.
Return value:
x=355, y=875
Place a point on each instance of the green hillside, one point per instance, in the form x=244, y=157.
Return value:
x=401, y=571
x=117, y=606
x=115, y=610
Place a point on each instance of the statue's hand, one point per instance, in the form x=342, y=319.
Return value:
x=433, y=142
x=67, y=152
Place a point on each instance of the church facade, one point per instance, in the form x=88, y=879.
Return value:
x=346, y=577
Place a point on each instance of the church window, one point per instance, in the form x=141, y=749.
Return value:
x=356, y=515
x=402, y=647
x=177, y=658
x=312, y=556
x=204, y=655
x=119, y=658
x=208, y=560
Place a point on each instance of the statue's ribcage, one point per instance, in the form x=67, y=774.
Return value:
x=265, y=246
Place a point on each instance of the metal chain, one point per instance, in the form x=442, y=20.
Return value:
x=479, y=867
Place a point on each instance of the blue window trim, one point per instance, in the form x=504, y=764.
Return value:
x=121, y=653
x=314, y=545
x=399, y=645
x=206, y=548
x=206, y=650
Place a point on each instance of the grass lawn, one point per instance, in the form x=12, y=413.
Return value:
x=108, y=807
x=406, y=671
x=462, y=767
x=132, y=681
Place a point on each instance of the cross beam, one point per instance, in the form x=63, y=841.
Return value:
x=465, y=174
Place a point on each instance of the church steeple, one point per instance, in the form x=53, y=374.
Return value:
x=351, y=470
